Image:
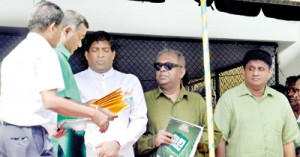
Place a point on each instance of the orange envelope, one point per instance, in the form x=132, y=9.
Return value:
x=114, y=101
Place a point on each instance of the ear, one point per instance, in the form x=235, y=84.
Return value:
x=86, y=55
x=52, y=27
x=114, y=54
x=270, y=73
x=182, y=72
x=68, y=29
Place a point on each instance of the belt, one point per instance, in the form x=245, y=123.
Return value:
x=35, y=126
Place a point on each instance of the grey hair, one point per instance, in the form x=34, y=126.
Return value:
x=179, y=55
x=74, y=19
x=44, y=14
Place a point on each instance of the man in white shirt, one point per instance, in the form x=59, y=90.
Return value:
x=31, y=77
x=97, y=81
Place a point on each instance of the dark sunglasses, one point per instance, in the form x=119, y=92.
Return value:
x=167, y=65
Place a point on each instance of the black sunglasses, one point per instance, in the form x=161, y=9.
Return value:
x=167, y=65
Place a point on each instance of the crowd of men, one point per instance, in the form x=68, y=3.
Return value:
x=250, y=120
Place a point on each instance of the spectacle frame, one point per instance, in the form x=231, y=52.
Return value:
x=168, y=66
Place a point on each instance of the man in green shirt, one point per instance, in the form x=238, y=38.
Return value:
x=75, y=28
x=171, y=99
x=255, y=120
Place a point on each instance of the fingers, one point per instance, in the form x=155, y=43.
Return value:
x=110, y=115
x=60, y=133
x=104, y=127
x=108, y=149
x=163, y=137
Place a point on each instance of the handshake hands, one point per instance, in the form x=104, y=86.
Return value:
x=102, y=117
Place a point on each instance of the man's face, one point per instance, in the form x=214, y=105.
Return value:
x=297, y=93
x=291, y=92
x=172, y=76
x=74, y=38
x=256, y=74
x=100, y=56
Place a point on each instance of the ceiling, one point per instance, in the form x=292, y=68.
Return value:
x=171, y=18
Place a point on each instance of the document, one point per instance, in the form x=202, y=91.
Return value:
x=185, y=141
x=115, y=101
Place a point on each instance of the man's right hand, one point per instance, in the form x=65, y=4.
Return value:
x=110, y=115
x=163, y=137
x=102, y=118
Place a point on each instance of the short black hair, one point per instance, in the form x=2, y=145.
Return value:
x=291, y=79
x=279, y=87
x=257, y=54
x=99, y=36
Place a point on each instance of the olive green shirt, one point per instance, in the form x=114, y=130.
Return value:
x=189, y=107
x=255, y=128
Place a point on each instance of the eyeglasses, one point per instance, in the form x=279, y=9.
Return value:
x=168, y=66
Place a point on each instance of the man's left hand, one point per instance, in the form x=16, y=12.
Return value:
x=108, y=149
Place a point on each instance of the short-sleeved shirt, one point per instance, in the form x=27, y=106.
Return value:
x=27, y=70
x=253, y=127
x=189, y=107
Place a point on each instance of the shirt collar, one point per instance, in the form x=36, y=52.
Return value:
x=183, y=93
x=245, y=91
x=101, y=75
x=64, y=51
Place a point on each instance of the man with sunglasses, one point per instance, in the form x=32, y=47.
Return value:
x=171, y=99
x=97, y=81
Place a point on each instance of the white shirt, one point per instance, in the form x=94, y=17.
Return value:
x=27, y=70
x=131, y=122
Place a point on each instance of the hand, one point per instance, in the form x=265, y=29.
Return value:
x=101, y=120
x=88, y=103
x=108, y=149
x=110, y=115
x=60, y=133
x=163, y=137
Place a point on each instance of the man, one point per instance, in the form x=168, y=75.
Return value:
x=74, y=29
x=290, y=93
x=97, y=81
x=255, y=119
x=171, y=99
x=31, y=77
x=290, y=86
x=296, y=98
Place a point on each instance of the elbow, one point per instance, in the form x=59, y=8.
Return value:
x=49, y=99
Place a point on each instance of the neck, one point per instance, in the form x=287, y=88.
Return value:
x=172, y=92
x=257, y=92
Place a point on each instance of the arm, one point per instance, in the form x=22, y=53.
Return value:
x=70, y=108
x=203, y=144
x=289, y=149
x=145, y=143
x=136, y=117
x=221, y=149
